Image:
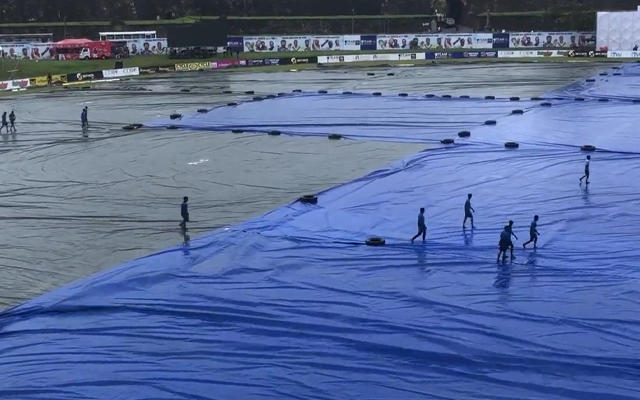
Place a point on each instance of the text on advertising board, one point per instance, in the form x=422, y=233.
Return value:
x=155, y=70
x=623, y=54
x=41, y=81
x=82, y=77
x=406, y=56
x=121, y=72
x=592, y=53
x=479, y=54
x=15, y=84
x=268, y=61
x=412, y=41
x=533, y=53
x=227, y=64
x=193, y=66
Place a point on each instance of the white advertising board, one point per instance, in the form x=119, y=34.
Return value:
x=120, y=73
x=370, y=57
x=623, y=54
x=532, y=53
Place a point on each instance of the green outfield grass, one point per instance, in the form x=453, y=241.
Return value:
x=400, y=64
x=16, y=69
x=367, y=65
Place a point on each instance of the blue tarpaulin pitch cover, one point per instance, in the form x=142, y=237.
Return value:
x=293, y=305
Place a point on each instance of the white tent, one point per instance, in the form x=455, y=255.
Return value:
x=618, y=31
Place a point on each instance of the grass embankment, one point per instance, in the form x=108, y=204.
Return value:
x=16, y=69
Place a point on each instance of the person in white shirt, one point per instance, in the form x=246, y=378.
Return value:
x=586, y=171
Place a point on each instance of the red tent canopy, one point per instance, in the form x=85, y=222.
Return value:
x=71, y=42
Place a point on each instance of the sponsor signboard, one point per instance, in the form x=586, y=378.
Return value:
x=46, y=51
x=84, y=76
x=345, y=59
x=268, y=61
x=582, y=54
x=551, y=40
x=509, y=54
x=623, y=54
x=500, y=41
x=148, y=70
x=15, y=84
x=394, y=42
x=370, y=57
x=407, y=56
x=355, y=42
x=532, y=53
x=194, y=66
x=255, y=63
x=351, y=42
x=41, y=81
x=553, y=53
x=406, y=41
x=331, y=59
x=155, y=70
x=121, y=72
x=441, y=55
x=477, y=54
x=226, y=64
x=298, y=60
x=235, y=43
x=267, y=44
x=368, y=42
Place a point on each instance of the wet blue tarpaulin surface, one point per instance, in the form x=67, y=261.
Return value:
x=292, y=304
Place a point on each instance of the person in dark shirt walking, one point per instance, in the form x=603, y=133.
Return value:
x=533, y=233
x=4, y=122
x=510, y=229
x=468, y=211
x=184, y=212
x=12, y=122
x=505, y=241
x=422, y=227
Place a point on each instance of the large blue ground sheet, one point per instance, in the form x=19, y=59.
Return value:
x=293, y=305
